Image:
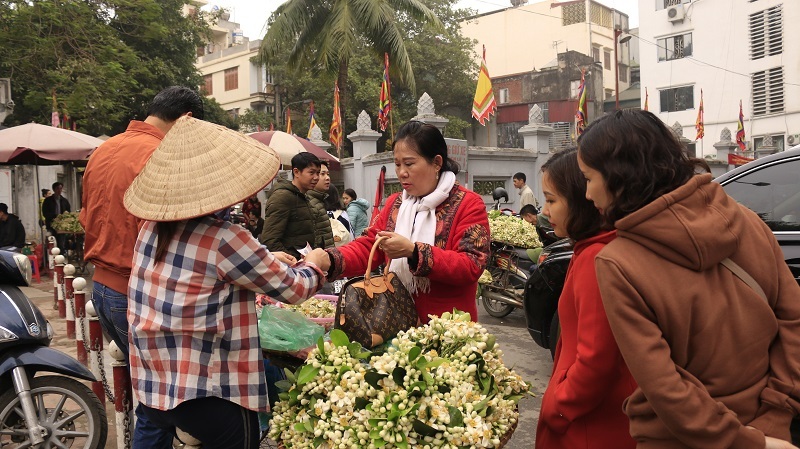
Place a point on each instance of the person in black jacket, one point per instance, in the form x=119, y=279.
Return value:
x=53, y=206
x=12, y=232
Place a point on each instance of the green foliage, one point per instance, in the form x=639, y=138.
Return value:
x=104, y=59
x=215, y=114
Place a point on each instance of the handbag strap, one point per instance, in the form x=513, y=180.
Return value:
x=372, y=254
x=745, y=277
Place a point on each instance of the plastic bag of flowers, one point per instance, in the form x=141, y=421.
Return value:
x=438, y=385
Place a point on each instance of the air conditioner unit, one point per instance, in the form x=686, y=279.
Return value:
x=676, y=13
x=793, y=139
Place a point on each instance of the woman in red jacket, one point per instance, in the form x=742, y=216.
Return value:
x=582, y=406
x=438, y=231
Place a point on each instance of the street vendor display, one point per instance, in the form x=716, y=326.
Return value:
x=442, y=384
x=67, y=223
x=513, y=231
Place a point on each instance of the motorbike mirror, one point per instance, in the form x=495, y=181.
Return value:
x=500, y=192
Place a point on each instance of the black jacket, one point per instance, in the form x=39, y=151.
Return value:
x=49, y=209
x=12, y=232
x=288, y=220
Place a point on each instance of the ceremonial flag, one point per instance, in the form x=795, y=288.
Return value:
x=580, y=115
x=289, y=121
x=484, y=104
x=386, y=96
x=646, y=106
x=698, y=124
x=735, y=159
x=335, y=134
x=55, y=117
x=312, y=122
x=740, y=130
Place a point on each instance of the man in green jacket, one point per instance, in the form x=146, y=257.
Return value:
x=289, y=219
x=316, y=196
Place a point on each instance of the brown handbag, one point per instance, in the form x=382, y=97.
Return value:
x=373, y=309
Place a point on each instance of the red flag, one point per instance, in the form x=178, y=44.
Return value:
x=376, y=207
x=735, y=159
x=580, y=115
x=386, y=97
x=698, y=124
x=55, y=118
x=740, y=138
x=336, y=124
x=288, y=121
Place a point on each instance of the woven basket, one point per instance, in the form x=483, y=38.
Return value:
x=503, y=440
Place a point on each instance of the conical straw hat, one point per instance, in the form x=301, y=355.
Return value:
x=199, y=168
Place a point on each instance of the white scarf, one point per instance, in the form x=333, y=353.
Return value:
x=416, y=221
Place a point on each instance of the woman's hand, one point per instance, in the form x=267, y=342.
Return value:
x=319, y=258
x=774, y=443
x=396, y=246
x=288, y=259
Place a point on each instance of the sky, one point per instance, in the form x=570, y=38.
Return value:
x=253, y=14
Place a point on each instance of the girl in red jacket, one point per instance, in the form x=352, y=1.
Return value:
x=582, y=406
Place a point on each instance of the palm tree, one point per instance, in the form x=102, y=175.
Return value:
x=323, y=34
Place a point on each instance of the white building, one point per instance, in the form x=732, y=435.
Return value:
x=229, y=75
x=749, y=51
x=529, y=37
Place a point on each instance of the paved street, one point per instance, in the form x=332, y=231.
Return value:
x=520, y=352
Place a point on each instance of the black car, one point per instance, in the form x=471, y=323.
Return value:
x=769, y=186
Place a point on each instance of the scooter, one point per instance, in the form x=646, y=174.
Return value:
x=510, y=268
x=50, y=411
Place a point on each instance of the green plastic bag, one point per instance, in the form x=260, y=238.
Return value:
x=285, y=330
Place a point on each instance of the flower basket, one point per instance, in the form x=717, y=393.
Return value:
x=439, y=385
x=316, y=309
x=67, y=223
x=513, y=231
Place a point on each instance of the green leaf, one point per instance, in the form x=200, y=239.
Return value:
x=354, y=348
x=403, y=443
x=515, y=398
x=443, y=389
x=423, y=429
x=339, y=338
x=376, y=423
x=361, y=403
x=417, y=389
x=379, y=442
x=490, y=385
x=290, y=375
x=283, y=396
x=374, y=434
x=398, y=374
x=422, y=362
x=436, y=362
x=456, y=417
x=284, y=385
x=306, y=374
x=321, y=346
x=318, y=441
x=428, y=378
x=329, y=368
x=373, y=377
x=363, y=355
x=413, y=353
x=394, y=413
x=490, y=342
x=309, y=427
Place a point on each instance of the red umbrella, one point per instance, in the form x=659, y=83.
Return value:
x=378, y=195
x=287, y=146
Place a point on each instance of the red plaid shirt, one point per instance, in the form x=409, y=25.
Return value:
x=193, y=325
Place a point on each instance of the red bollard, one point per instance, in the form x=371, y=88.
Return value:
x=62, y=306
x=80, y=320
x=54, y=252
x=51, y=243
x=95, y=351
x=123, y=396
x=69, y=299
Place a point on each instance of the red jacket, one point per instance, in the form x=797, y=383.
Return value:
x=582, y=406
x=453, y=264
x=110, y=230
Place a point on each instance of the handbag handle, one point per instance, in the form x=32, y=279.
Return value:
x=375, y=246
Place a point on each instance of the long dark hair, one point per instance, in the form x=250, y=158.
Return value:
x=583, y=218
x=428, y=141
x=639, y=158
x=165, y=230
x=333, y=201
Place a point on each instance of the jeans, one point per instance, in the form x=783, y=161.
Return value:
x=112, y=309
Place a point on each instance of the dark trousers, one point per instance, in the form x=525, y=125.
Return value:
x=217, y=423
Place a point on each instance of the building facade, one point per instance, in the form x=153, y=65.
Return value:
x=748, y=51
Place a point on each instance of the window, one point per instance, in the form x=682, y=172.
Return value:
x=623, y=73
x=777, y=142
x=768, y=91
x=574, y=89
x=503, y=94
x=607, y=59
x=766, y=33
x=609, y=93
x=772, y=192
x=677, y=99
x=675, y=47
x=572, y=13
x=208, y=85
x=664, y=4
x=596, y=54
x=231, y=79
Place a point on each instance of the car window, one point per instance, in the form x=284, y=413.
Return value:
x=772, y=192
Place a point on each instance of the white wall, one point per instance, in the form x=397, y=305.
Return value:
x=721, y=66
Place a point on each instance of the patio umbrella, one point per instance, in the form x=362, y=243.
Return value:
x=34, y=143
x=378, y=195
x=287, y=146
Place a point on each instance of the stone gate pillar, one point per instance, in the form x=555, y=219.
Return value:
x=365, y=142
x=536, y=137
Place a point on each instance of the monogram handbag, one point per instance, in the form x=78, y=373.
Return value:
x=373, y=309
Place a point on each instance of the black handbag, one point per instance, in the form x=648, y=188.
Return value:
x=373, y=309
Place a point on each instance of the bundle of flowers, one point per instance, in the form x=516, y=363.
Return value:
x=313, y=307
x=438, y=385
x=67, y=222
x=513, y=231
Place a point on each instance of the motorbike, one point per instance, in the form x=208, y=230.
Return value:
x=40, y=411
x=509, y=268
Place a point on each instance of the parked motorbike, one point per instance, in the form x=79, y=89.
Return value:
x=509, y=267
x=50, y=411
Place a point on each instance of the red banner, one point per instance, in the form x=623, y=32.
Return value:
x=735, y=159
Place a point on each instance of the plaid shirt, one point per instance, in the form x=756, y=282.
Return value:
x=193, y=325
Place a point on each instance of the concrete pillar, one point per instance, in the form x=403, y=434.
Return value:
x=725, y=146
x=365, y=142
x=766, y=148
x=536, y=137
x=316, y=138
x=426, y=113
